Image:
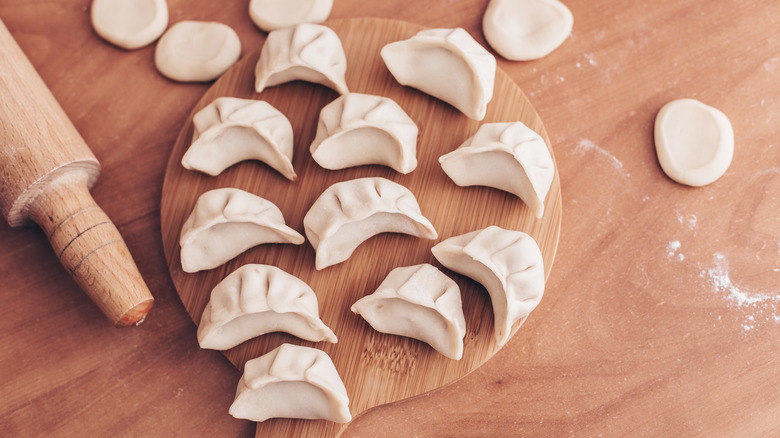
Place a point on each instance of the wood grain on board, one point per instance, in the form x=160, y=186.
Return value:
x=376, y=368
x=636, y=336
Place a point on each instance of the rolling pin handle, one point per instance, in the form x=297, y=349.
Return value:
x=91, y=249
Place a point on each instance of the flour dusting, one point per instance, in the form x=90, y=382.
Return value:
x=585, y=145
x=673, y=251
x=689, y=220
x=755, y=307
x=759, y=303
x=771, y=64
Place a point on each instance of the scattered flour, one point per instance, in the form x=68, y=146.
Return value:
x=756, y=307
x=771, y=64
x=762, y=305
x=688, y=220
x=585, y=145
x=673, y=251
x=720, y=279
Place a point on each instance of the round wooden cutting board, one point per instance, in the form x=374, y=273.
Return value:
x=376, y=368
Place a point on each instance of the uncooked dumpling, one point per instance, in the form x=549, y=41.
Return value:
x=270, y=15
x=291, y=382
x=358, y=129
x=350, y=212
x=507, y=156
x=230, y=130
x=523, y=30
x=226, y=222
x=258, y=299
x=694, y=142
x=447, y=64
x=419, y=302
x=129, y=24
x=508, y=263
x=197, y=51
x=305, y=52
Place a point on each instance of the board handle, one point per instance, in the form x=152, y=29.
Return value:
x=90, y=248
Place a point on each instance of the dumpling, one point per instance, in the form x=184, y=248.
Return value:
x=507, y=156
x=419, y=302
x=349, y=212
x=230, y=130
x=306, y=52
x=447, y=64
x=508, y=263
x=258, y=299
x=270, y=15
x=291, y=382
x=226, y=222
x=358, y=129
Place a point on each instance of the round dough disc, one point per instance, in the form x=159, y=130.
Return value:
x=524, y=30
x=197, y=51
x=129, y=24
x=270, y=15
x=694, y=142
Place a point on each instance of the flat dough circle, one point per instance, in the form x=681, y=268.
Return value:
x=694, y=142
x=270, y=15
x=524, y=30
x=197, y=51
x=129, y=24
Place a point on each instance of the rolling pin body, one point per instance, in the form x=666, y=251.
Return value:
x=46, y=171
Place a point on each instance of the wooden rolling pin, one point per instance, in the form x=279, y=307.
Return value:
x=46, y=171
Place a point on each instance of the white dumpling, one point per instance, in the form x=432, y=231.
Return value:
x=447, y=64
x=307, y=52
x=419, y=302
x=230, y=130
x=270, y=15
x=350, y=212
x=291, y=382
x=506, y=156
x=226, y=222
x=358, y=129
x=524, y=30
x=258, y=299
x=508, y=263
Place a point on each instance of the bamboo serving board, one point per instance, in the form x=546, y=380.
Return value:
x=376, y=368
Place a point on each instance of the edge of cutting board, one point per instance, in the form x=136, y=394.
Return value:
x=377, y=368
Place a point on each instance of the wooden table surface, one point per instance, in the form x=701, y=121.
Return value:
x=662, y=313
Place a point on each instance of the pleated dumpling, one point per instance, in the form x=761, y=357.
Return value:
x=358, y=129
x=291, y=382
x=447, y=64
x=307, y=52
x=226, y=222
x=258, y=299
x=419, y=302
x=350, y=212
x=230, y=130
x=507, y=156
x=508, y=263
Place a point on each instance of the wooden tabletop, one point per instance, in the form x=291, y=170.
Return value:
x=662, y=313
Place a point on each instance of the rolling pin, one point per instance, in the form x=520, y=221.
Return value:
x=46, y=172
